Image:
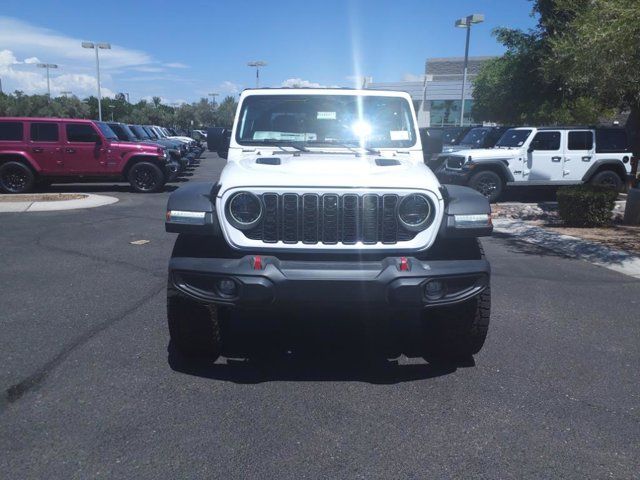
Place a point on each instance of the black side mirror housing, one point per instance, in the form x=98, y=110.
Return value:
x=531, y=149
x=223, y=149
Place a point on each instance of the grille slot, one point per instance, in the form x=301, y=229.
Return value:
x=330, y=219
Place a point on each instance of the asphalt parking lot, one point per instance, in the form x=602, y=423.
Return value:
x=90, y=391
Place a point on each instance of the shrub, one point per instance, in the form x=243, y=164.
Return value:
x=586, y=205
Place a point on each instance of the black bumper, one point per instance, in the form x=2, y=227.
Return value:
x=281, y=282
x=453, y=177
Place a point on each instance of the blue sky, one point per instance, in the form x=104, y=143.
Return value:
x=181, y=51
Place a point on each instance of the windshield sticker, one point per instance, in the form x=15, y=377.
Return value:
x=399, y=135
x=296, y=137
x=326, y=116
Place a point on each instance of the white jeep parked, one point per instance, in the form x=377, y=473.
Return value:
x=542, y=156
x=325, y=206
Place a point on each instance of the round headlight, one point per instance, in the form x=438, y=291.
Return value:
x=415, y=212
x=244, y=210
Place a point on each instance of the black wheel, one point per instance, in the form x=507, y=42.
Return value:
x=457, y=333
x=16, y=177
x=607, y=178
x=146, y=177
x=487, y=183
x=194, y=328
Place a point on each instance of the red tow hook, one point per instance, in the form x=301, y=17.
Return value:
x=256, y=263
x=404, y=266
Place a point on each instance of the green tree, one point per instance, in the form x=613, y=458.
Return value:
x=226, y=112
x=599, y=52
x=516, y=88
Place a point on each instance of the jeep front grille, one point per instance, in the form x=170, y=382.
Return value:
x=329, y=219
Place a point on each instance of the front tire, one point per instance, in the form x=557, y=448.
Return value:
x=16, y=177
x=194, y=328
x=487, y=183
x=457, y=333
x=146, y=177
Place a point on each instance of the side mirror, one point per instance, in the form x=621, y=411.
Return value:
x=531, y=149
x=223, y=149
x=98, y=141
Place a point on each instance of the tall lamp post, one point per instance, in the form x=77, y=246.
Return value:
x=466, y=22
x=48, y=66
x=97, y=47
x=257, y=64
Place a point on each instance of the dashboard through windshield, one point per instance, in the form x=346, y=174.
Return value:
x=326, y=120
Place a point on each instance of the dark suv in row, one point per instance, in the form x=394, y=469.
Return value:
x=46, y=150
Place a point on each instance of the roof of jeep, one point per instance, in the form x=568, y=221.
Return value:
x=44, y=119
x=322, y=90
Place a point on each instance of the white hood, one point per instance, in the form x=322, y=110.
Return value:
x=486, y=153
x=322, y=170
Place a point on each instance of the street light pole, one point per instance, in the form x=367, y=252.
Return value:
x=96, y=47
x=213, y=97
x=48, y=66
x=257, y=64
x=466, y=23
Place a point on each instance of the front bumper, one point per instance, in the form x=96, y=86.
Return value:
x=282, y=282
x=453, y=177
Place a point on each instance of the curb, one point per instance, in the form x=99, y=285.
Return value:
x=595, y=253
x=90, y=201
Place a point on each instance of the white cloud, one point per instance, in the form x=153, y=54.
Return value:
x=24, y=38
x=21, y=75
x=300, y=83
x=228, y=88
x=31, y=60
x=410, y=77
x=175, y=65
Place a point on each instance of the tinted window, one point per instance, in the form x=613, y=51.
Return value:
x=612, y=140
x=475, y=137
x=546, y=141
x=513, y=138
x=81, y=132
x=106, y=131
x=11, y=131
x=580, y=140
x=44, y=132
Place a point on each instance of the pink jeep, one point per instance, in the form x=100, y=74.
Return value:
x=46, y=150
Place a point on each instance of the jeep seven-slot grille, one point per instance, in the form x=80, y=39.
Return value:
x=329, y=219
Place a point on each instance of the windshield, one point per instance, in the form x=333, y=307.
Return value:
x=475, y=137
x=325, y=120
x=150, y=132
x=123, y=132
x=106, y=131
x=139, y=132
x=513, y=138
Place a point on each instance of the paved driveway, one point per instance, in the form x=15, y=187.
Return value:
x=89, y=390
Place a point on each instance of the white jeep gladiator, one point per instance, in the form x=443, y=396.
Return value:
x=529, y=156
x=325, y=206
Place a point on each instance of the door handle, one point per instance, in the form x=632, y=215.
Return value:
x=556, y=159
x=70, y=150
x=37, y=149
x=586, y=159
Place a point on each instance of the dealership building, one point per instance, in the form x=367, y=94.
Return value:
x=436, y=97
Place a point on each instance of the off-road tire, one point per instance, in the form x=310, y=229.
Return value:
x=457, y=333
x=16, y=177
x=194, y=328
x=488, y=183
x=146, y=177
x=607, y=178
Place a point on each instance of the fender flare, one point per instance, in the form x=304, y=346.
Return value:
x=461, y=200
x=22, y=155
x=617, y=165
x=194, y=197
x=501, y=164
x=134, y=157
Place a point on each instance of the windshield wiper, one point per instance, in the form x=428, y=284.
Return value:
x=370, y=150
x=280, y=145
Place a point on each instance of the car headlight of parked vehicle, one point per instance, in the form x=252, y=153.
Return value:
x=415, y=212
x=244, y=210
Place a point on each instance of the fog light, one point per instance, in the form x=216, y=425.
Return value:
x=434, y=290
x=226, y=287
